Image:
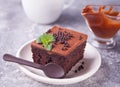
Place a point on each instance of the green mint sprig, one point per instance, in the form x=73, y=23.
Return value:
x=46, y=40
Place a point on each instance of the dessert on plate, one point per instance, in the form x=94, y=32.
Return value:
x=59, y=45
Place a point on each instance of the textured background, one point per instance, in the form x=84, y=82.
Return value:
x=16, y=29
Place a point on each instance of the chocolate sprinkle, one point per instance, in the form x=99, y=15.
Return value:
x=83, y=62
x=66, y=44
x=75, y=71
x=62, y=41
x=63, y=38
x=79, y=68
x=82, y=67
x=64, y=48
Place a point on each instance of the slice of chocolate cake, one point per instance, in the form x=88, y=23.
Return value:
x=66, y=49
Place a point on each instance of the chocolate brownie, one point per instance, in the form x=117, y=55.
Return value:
x=67, y=49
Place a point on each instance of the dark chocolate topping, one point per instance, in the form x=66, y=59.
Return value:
x=63, y=38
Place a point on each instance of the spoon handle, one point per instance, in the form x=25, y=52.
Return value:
x=11, y=58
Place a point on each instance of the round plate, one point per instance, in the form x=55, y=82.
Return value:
x=92, y=62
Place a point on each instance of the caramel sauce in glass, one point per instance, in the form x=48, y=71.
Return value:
x=103, y=23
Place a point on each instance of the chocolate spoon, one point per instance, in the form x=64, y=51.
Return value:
x=51, y=70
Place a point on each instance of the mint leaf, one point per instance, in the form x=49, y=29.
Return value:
x=52, y=38
x=46, y=40
x=38, y=40
x=48, y=47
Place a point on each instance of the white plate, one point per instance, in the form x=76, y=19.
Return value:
x=91, y=58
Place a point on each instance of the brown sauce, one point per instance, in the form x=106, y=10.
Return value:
x=100, y=21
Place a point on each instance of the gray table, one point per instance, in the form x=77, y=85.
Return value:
x=16, y=29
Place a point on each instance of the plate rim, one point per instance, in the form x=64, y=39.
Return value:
x=55, y=81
